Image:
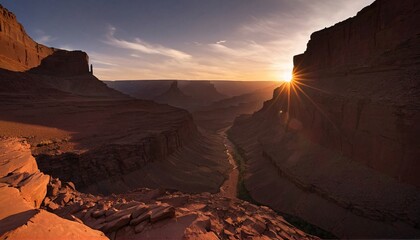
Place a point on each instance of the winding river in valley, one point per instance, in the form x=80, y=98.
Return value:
x=229, y=187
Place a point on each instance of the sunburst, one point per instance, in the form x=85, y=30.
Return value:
x=295, y=84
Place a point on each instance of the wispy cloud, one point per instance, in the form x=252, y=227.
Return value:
x=43, y=38
x=67, y=47
x=260, y=49
x=144, y=47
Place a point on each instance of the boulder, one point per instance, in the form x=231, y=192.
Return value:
x=116, y=224
x=162, y=213
x=34, y=188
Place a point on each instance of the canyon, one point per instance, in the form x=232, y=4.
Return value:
x=39, y=206
x=332, y=154
x=340, y=142
x=143, y=169
x=104, y=141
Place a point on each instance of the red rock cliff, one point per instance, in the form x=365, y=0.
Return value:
x=19, y=51
x=358, y=41
x=348, y=132
x=367, y=67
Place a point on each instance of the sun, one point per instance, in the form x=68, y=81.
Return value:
x=286, y=77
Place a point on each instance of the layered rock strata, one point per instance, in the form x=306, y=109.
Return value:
x=342, y=138
x=164, y=154
x=19, y=51
x=140, y=214
x=101, y=139
x=367, y=70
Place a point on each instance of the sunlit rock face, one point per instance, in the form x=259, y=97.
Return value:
x=23, y=188
x=342, y=139
x=19, y=51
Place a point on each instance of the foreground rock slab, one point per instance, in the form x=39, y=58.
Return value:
x=159, y=214
x=22, y=190
x=141, y=214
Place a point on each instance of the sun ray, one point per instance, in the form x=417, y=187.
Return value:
x=309, y=86
x=317, y=107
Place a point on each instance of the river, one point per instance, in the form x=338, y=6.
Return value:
x=229, y=187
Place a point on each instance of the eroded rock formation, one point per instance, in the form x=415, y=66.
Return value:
x=19, y=51
x=22, y=189
x=175, y=97
x=143, y=213
x=159, y=214
x=163, y=152
x=99, y=138
x=369, y=67
x=369, y=39
x=344, y=143
x=64, y=63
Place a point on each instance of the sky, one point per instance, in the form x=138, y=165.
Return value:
x=183, y=39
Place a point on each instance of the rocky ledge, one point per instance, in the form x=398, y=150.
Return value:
x=140, y=214
x=22, y=189
x=158, y=214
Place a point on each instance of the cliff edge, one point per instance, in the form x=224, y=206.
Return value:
x=19, y=51
x=342, y=138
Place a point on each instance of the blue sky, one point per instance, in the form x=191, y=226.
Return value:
x=183, y=39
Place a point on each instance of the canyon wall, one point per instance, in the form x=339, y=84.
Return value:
x=19, y=51
x=34, y=69
x=359, y=41
x=341, y=141
x=116, y=143
x=367, y=69
x=117, y=173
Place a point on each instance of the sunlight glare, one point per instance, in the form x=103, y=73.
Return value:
x=287, y=77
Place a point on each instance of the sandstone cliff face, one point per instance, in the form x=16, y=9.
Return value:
x=348, y=132
x=43, y=70
x=111, y=167
x=358, y=41
x=368, y=67
x=19, y=51
x=116, y=143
